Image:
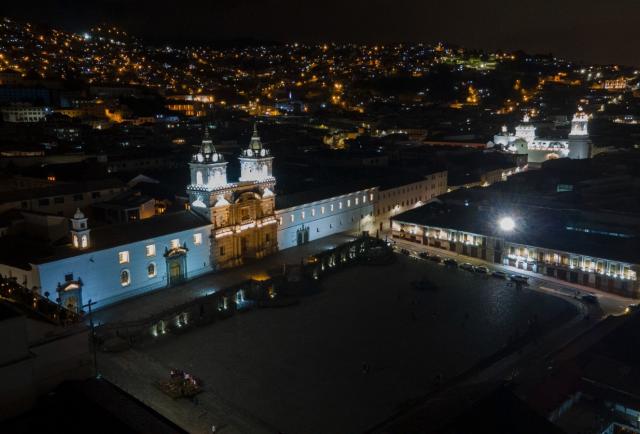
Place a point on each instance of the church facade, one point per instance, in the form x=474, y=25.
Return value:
x=226, y=224
x=525, y=141
x=242, y=213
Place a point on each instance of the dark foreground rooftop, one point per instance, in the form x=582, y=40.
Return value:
x=94, y=406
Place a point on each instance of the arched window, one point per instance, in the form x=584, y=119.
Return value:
x=125, y=278
x=75, y=241
x=84, y=242
x=151, y=270
x=198, y=177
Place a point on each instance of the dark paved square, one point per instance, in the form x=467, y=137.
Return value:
x=300, y=369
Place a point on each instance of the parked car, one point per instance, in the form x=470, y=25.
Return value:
x=590, y=298
x=451, y=263
x=423, y=255
x=435, y=258
x=467, y=266
x=481, y=269
x=404, y=252
x=519, y=279
x=499, y=274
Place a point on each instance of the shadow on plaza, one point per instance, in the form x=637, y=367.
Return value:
x=280, y=287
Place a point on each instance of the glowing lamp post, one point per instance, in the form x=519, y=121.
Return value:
x=507, y=224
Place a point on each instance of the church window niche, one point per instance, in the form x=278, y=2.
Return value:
x=150, y=250
x=123, y=257
x=151, y=270
x=199, y=177
x=75, y=241
x=84, y=242
x=175, y=243
x=125, y=278
x=197, y=239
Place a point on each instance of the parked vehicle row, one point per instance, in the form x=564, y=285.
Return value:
x=480, y=269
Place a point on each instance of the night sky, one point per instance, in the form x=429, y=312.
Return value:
x=591, y=30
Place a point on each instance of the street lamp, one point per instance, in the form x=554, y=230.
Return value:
x=507, y=224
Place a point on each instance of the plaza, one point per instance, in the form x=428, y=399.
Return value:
x=351, y=356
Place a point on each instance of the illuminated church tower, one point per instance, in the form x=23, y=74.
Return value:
x=242, y=213
x=579, y=143
x=208, y=177
x=526, y=130
x=256, y=163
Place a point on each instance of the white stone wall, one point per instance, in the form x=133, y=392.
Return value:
x=394, y=201
x=100, y=270
x=347, y=213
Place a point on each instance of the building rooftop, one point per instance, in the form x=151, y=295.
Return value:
x=557, y=229
x=321, y=193
x=20, y=251
x=59, y=189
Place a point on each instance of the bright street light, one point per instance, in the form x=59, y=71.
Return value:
x=507, y=224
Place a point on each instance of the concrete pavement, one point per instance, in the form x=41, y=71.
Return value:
x=147, y=304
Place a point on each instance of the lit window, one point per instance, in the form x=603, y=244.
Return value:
x=331, y=207
x=175, y=243
x=151, y=249
x=293, y=218
x=151, y=270
x=339, y=205
x=197, y=239
x=321, y=210
x=364, y=198
x=302, y=215
x=371, y=196
x=84, y=242
x=123, y=257
x=357, y=200
x=125, y=278
x=313, y=212
x=348, y=203
x=75, y=241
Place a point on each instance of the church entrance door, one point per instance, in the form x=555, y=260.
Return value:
x=302, y=236
x=176, y=269
x=71, y=303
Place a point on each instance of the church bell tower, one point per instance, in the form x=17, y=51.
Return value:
x=579, y=143
x=256, y=163
x=208, y=177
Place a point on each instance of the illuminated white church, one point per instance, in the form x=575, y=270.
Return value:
x=524, y=141
x=227, y=223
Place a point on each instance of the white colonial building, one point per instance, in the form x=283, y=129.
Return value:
x=226, y=223
x=308, y=216
x=526, y=141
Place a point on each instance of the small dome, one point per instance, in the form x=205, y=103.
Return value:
x=78, y=215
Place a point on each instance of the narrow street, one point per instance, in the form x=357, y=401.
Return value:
x=611, y=304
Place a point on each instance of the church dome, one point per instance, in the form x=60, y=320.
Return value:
x=78, y=215
x=255, y=148
x=207, y=152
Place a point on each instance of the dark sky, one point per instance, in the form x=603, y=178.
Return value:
x=601, y=31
